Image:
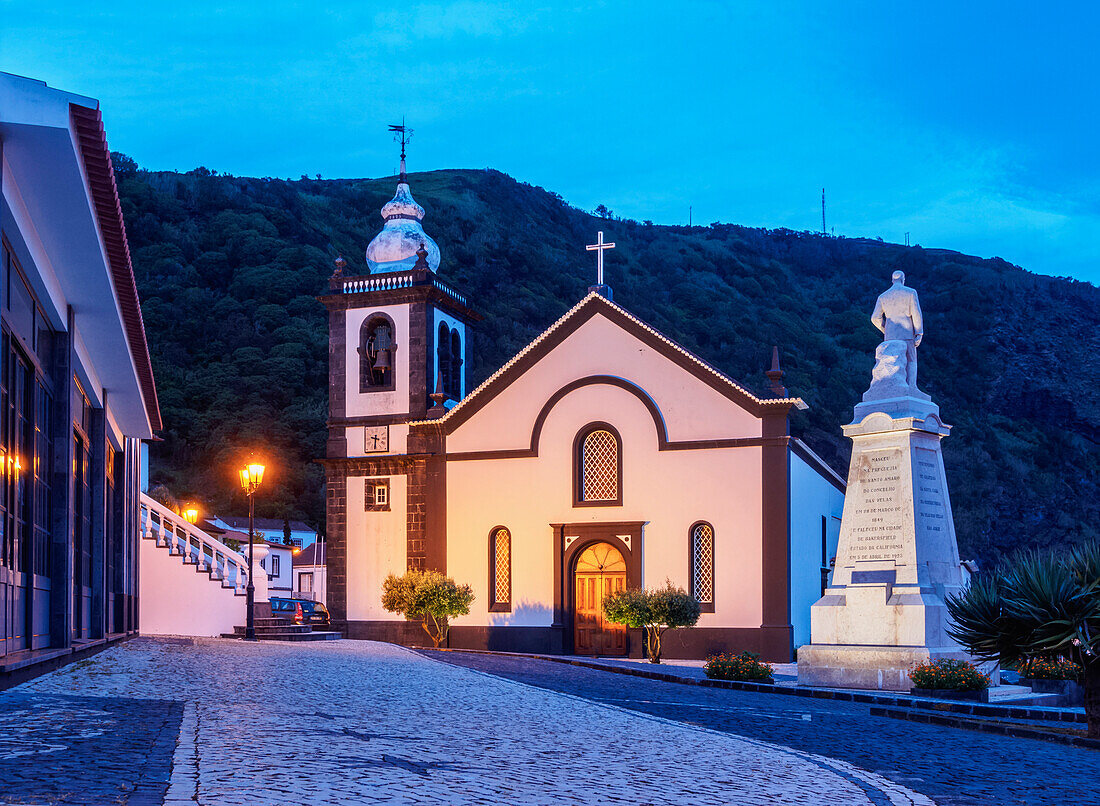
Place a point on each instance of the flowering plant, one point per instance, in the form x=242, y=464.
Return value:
x=949, y=674
x=746, y=666
x=1049, y=669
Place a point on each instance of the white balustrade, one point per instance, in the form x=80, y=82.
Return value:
x=378, y=282
x=385, y=282
x=193, y=544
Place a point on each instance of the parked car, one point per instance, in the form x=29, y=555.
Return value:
x=313, y=613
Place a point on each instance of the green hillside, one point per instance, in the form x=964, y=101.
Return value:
x=228, y=269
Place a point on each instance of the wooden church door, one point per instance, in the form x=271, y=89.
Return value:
x=600, y=570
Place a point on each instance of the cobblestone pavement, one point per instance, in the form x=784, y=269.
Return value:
x=94, y=750
x=356, y=722
x=951, y=765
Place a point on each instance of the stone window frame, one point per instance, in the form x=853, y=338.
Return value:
x=372, y=319
x=578, y=466
x=370, y=495
x=499, y=605
x=708, y=606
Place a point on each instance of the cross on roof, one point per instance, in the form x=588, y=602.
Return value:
x=599, y=248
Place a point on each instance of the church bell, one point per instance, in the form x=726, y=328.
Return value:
x=382, y=363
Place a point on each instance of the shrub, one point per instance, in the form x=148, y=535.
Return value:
x=652, y=610
x=428, y=595
x=949, y=674
x=1039, y=605
x=1049, y=669
x=746, y=666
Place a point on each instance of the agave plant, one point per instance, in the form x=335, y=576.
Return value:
x=1040, y=605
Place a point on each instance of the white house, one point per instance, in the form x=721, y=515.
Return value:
x=309, y=573
x=273, y=529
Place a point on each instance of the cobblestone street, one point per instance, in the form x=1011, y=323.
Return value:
x=955, y=767
x=358, y=722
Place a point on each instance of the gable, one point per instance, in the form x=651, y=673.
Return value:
x=599, y=345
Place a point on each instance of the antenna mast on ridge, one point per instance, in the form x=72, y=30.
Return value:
x=823, y=231
x=402, y=134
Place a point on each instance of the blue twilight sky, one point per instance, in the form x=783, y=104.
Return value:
x=971, y=126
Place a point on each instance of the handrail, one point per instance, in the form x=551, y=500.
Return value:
x=196, y=547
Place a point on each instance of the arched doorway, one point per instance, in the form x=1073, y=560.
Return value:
x=600, y=570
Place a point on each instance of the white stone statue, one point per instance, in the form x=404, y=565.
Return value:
x=898, y=317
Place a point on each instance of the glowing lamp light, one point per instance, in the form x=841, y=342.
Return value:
x=252, y=477
x=191, y=514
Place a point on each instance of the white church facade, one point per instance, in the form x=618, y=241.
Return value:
x=602, y=456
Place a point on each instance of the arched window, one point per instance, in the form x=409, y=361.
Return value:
x=443, y=353
x=376, y=354
x=456, y=365
x=598, y=467
x=701, y=547
x=500, y=570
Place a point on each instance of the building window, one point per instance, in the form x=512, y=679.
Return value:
x=377, y=350
x=455, y=386
x=274, y=566
x=443, y=353
x=305, y=583
x=598, y=466
x=377, y=495
x=500, y=570
x=702, y=565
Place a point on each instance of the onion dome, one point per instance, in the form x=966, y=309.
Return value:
x=395, y=247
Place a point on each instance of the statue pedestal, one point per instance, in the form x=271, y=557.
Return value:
x=897, y=558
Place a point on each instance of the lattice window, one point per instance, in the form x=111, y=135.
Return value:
x=702, y=563
x=501, y=571
x=600, y=466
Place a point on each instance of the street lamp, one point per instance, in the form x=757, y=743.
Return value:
x=251, y=478
x=191, y=513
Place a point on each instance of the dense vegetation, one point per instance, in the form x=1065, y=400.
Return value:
x=228, y=269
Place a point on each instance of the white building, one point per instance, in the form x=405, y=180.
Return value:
x=76, y=384
x=309, y=573
x=602, y=456
x=272, y=528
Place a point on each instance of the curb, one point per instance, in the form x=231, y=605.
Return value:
x=898, y=700
x=987, y=727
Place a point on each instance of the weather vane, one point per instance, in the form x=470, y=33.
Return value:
x=402, y=134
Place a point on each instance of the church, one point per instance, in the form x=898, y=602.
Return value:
x=602, y=456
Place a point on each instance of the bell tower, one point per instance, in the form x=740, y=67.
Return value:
x=398, y=354
x=397, y=336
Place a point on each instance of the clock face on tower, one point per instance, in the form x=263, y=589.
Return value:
x=376, y=438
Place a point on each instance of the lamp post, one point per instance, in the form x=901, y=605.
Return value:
x=251, y=478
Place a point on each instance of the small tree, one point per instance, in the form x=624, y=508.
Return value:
x=1041, y=605
x=652, y=610
x=427, y=595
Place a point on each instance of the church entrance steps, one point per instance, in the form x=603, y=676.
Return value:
x=1024, y=709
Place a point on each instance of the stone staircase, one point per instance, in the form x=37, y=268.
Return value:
x=278, y=629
